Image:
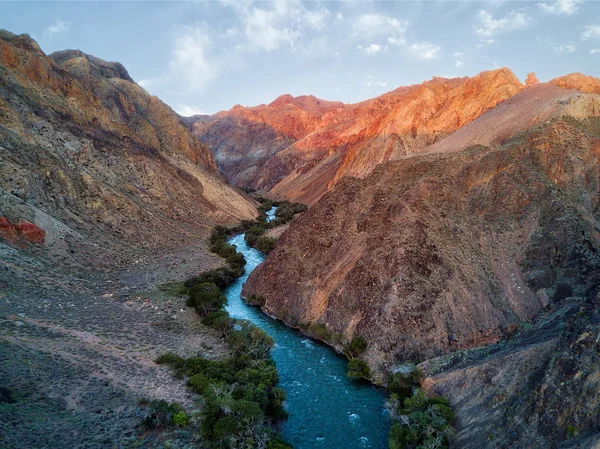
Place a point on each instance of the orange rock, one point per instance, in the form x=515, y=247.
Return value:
x=531, y=79
x=578, y=81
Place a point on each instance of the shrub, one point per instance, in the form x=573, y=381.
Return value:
x=256, y=300
x=427, y=422
x=356, y=347
x=180, y=419
x=218, y=320
x=206, y=297
x=161, y=414
x=265, y=244
x=318, y=330
x=402, y=383
x=253, y=234
x=358, y=369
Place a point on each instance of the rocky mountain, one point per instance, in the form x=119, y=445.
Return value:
x=95, y=163
x=301, y=152
x=457, y=246
x=104, y=195
x=264, y=129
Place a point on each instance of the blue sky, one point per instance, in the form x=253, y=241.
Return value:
x=208, y=56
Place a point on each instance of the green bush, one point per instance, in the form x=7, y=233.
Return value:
x=180, y=419
x=358, y=369
x=318, y=330
x=222, y=277
x=356, y=347
x=402, y=383
x=206, y=298
x=265, y=244
x=161, y=414
x=427, y=422
x=218, y=320
x=253, y=234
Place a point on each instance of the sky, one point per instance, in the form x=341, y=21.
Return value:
x=207, y=56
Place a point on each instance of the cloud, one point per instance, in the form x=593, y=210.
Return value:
x=188, y=111
x=569, y=48
x=273, y=25
x=459, y=64
x=190, y=61
x=376, y=25
x=513, y=21
x=372, y=49
x=561, y=7
x=397, y=41
x=457, y=54
x=372, y=82
x=595, y=51
x=59, y=27
x=591, y=32
x=424, y=50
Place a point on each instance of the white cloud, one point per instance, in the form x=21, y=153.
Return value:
x=188, y=111
x=569, y=48
x=372, y=82
x=559, y=7
x=424, y=50
x=591, y=32
x=273, y=25
x=374, y=25
x=595, y=51
x=514, y=20
x=372, y=49
x=190, y=57
x=459, y=64
x=397, y=41
x=457, y=54
x=59, y=27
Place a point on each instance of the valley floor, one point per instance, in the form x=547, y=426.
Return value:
x=74, y=366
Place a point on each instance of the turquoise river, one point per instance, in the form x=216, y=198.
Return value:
x=327, y=409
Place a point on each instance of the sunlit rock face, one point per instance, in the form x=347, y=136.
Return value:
x=300, y=147
x=89, y=158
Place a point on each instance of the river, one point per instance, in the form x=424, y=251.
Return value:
x=327, y=409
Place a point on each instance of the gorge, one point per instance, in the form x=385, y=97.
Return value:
x=452, y=225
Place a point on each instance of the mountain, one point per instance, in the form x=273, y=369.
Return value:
x=457, y=246
x=97, y=164
x=243, y=139
x=105, y=196
x=300, y=152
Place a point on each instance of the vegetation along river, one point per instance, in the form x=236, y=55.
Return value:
x=327, y=409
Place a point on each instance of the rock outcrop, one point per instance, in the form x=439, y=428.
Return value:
x=531, y=79
x=456, y=248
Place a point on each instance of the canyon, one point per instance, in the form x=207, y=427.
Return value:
x=453, y=225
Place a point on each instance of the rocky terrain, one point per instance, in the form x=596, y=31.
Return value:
x=105, y=196
x=458, y=247
x=299, y=149
x=303, y=150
